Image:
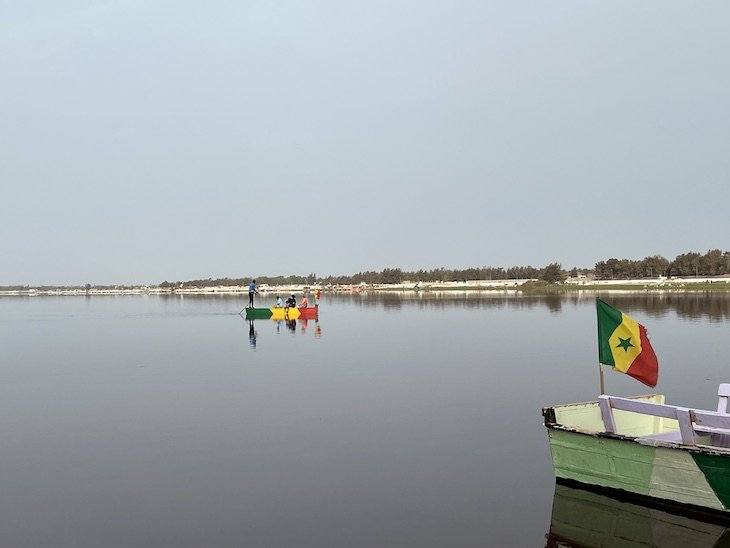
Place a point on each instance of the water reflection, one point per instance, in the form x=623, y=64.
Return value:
x=252, y=333
x=692, y=305
x=582, y=518
x=712, y=305
x=424, y=381
x=291, y=326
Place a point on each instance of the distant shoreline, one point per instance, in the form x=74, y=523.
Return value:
x=522, y=286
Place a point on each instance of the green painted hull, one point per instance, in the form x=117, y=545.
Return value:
x=258, y=313
x=696, y=476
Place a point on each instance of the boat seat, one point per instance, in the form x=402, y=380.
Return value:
x=674, y=436
x=720, y=440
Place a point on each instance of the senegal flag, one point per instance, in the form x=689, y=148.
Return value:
x=623, y=344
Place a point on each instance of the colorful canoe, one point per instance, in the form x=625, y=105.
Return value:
x=645, y=449
x=309, y=313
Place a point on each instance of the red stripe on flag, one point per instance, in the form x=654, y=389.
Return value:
x=645, y=368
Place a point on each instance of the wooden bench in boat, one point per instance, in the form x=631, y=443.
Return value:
x=693, y=423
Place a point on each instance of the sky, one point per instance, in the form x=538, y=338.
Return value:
x=152, y=140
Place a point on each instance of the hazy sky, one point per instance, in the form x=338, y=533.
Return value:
x=145, y=140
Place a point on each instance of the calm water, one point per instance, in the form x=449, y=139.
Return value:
x=393, y=421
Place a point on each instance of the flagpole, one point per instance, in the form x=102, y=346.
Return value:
x=600, y=369
x=600, y=365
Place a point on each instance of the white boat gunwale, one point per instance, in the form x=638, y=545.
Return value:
x=696, y=427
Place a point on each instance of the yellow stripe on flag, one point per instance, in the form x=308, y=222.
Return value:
x=625, y=343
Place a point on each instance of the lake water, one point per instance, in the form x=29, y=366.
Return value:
x=395, y=420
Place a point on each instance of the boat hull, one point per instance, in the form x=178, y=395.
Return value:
x=309, y=313
x=636, y=464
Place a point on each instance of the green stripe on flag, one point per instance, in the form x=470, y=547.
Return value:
x=609, y=318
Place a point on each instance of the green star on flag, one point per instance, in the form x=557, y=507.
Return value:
x=625, y=344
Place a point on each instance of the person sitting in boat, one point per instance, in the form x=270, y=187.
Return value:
x=291, y=302
x=279, y=302
x=304, y=302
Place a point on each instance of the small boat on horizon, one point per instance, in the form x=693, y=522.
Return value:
x=285, y=313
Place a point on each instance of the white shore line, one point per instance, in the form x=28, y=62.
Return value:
x=470, y=285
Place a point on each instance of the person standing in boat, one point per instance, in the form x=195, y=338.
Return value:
x=304, y=303
x=279, y=302
x=291, y=302
x=317, y=295
x=251, y=292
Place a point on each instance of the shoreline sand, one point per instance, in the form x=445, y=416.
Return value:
x=721, y=283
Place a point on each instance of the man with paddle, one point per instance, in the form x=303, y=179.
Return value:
x=251, y=292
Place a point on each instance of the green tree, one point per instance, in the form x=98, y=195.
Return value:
x=687, y=264
x=392, y=276
x=654, y=266
x=712, y=263
x=553, y=273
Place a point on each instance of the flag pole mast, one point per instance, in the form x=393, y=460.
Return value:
x=600, y=365
x=600, y=369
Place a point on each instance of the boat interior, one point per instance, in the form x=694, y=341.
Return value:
x=648, y=419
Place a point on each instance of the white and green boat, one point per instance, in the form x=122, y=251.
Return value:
x=643, y=448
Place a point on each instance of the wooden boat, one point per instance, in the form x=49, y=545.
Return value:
x=583, y=518
x=648, y=450
x=287, y=313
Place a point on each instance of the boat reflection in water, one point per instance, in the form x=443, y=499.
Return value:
x=252, y=334
x=292, y=326
x=302, y=324
x=586, y=519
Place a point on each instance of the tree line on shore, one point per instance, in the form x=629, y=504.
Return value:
x=385, y=276
x=713, y=263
